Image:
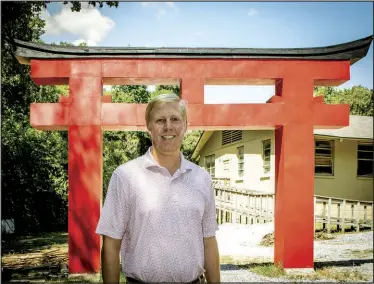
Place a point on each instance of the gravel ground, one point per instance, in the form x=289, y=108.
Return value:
x=241, y=242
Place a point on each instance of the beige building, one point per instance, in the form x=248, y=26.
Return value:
x=343, y=159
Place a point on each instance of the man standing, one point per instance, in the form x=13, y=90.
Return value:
x=159, y=210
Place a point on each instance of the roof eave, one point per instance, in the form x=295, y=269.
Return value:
x=353, y=51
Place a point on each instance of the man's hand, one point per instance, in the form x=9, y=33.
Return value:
x=110, y=259
x=211, y=260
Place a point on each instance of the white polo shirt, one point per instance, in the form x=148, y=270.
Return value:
x=161, y=219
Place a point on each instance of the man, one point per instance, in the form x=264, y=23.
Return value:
x=159, y=210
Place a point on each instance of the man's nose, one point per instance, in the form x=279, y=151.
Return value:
x=168, y=124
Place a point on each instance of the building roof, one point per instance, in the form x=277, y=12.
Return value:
x=353, y=51
x=360, y=128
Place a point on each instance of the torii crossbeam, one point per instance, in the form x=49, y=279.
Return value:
x=293, y=113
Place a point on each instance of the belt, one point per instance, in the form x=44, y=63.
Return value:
x=199, y=279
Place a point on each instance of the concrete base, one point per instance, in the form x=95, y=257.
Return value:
x=298, y=271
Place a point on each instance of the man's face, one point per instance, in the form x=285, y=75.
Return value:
x=167, y=128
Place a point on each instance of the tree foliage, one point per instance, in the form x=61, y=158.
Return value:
x=359, y=98
x=34, y=163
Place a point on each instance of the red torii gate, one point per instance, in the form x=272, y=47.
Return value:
x=293, y=113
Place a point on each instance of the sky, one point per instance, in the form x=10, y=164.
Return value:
x=219, y=24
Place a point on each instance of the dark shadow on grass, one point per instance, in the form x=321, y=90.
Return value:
x=342, y=263
x=317, y=264
x=34, y=243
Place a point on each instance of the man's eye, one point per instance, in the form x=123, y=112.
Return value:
x=160, y=120
x=175, y=119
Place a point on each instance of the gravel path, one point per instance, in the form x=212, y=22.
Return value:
x=348, y=252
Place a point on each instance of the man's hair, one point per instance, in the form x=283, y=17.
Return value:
x=165, y=98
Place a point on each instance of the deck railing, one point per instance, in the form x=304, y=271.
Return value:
x=248, y=207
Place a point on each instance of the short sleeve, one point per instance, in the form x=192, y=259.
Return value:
x=209, y=218
x=115, y=212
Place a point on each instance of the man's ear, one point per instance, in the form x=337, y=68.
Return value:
x=149, y=131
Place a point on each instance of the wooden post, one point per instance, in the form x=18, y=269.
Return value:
x=339, y=217
x=220, y=205
x=268, y=199
x=324, y=215
x=358, y=217
x=352, y=215
x=315, y=206
x=261, y=213
x=249, y=207
x=236, y=206
x=329, y=217
x=344, y=213
x=372, y=216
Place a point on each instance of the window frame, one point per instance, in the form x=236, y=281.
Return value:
x=266, y=164
x=332, y=157
x=226, y=167
x=240, y=157
x=210, y=164
x=361, y=143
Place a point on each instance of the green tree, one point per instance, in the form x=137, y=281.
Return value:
x=359, y=98
x=166, y=89
x=34, y=163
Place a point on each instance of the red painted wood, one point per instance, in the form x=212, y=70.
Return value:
x=122, y=116
x=330, y=116
x=85, y=165
x=293, y=113
x=294, y=215
x=85, y=160
x=323, y=72
x=106, y=99
x=192, y=90
x=49, y=116
x=294, y=148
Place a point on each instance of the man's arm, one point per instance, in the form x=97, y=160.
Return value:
x=211, y=260
x=110, y=259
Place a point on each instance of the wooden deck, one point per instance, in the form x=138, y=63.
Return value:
x=249, y=207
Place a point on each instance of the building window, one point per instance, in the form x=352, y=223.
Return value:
x=210, y=162
x=323, y=158
x=231, y=136
x=241, y=161
x=266, y=151
x=226, y=168
x=365, y=160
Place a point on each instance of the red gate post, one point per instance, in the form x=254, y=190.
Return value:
x=85, y=160
x=294, y=176
x=292, y=113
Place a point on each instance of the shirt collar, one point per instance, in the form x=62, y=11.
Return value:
x=151, y=162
